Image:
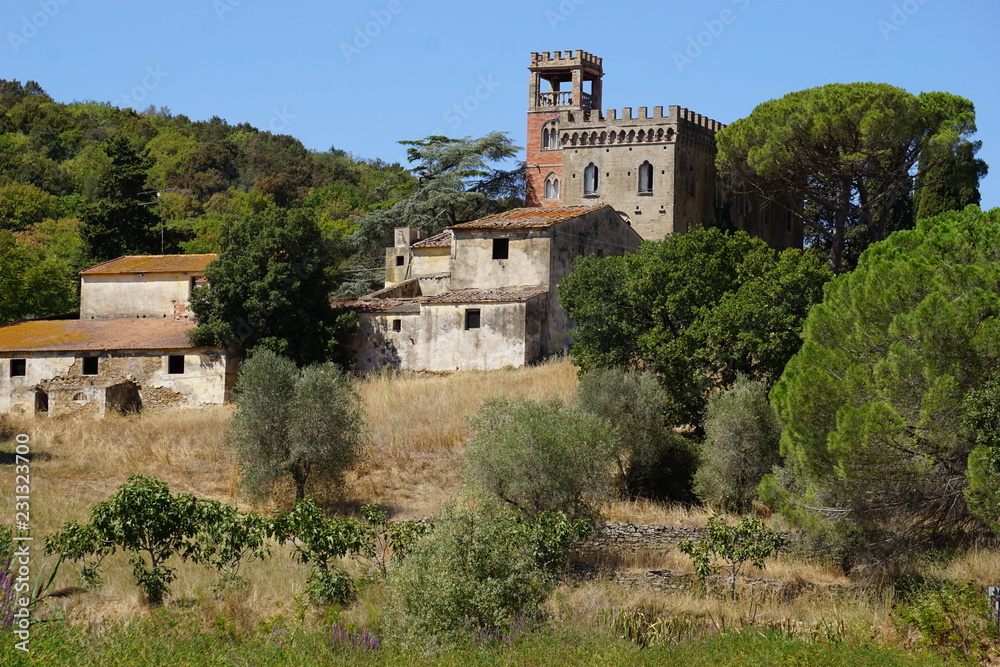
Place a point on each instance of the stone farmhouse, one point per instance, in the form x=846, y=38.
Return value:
x=481, y=295
x=127, y=351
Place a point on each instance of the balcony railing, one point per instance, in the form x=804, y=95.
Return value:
x=563, y=99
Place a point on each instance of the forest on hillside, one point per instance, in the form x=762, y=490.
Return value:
x=84, y=182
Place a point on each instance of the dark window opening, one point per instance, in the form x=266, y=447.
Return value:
x=501, y=248
x=472, y=318
x=90, y=365
x=400, y=260
x=41, y=402
x=18, y=368
x=397, y=325
x=645, y=179
x=175, y=364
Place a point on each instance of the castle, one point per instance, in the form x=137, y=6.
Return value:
x=657, y=169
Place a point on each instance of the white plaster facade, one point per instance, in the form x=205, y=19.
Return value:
x=502, y=272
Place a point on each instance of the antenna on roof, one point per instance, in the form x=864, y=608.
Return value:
x=156, y=201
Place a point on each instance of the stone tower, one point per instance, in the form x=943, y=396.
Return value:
x=657, y=169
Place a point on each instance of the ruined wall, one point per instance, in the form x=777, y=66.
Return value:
x=132, y=295
x=208, y=375
x=527, y=263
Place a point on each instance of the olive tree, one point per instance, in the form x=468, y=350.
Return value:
x=307, y=424
x=541, y=456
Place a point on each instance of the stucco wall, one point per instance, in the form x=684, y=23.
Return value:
x=418, y=263
x=527, y=262
x=132, y=295
x=435, y=339
x=208, y=376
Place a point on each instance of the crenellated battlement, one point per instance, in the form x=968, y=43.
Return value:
x=566, y=59
x=677, y=115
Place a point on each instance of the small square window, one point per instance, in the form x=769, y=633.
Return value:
x=175, y=364
x=400, y=260
x=18, y=368
x=501, y=248
x=472, y=318
x=397, y=325
x=90, y=365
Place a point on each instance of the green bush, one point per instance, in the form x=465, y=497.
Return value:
x=541, y=456
x=742, y=433
x=478, y=576
x=306, y=424
x=653, y=460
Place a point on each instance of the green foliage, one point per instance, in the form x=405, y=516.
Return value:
x=948, y=615
x=319, y=542
x=116, y=222
x=695, y=309
x=142, y=518
x=750, y=541
x=270, y=288
x=34, y=280
x=540, y=456
x=653, y=460
x=874, y=405
x=23, y=205
x=228, y=538
x=457, y=181
x=742, y=435
x=304, y=423
x=951, y=182
x=847, y=150
x=474, y=577
x=385, y=542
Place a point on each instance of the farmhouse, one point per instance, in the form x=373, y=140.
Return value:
x=129, y=351
x=482, y=294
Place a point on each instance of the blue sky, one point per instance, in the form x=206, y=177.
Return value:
x=363, y=75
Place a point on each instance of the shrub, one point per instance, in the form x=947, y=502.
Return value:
x=305, y=423
x=748, y=541
x=653, y=460
x=742, y=433
x=477, y=575
x=540, y=456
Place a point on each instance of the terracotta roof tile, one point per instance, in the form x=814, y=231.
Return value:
x=153, y=264
x=83, y=335
x=529, y=218
x=377, y=305
x=499, y=295
x=442, y=240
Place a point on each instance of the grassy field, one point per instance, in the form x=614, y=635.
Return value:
x=418, y=429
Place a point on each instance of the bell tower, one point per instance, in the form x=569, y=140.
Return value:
x=563, y=81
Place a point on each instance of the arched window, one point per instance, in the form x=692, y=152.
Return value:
x=591, y=180
x=550, y=138
x=552, y=187
x=645, y=178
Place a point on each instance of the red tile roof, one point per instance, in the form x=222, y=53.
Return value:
x=442, y=240
x=153, y=264
x=86, y=335
x=498, y=295
x=529, y=218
